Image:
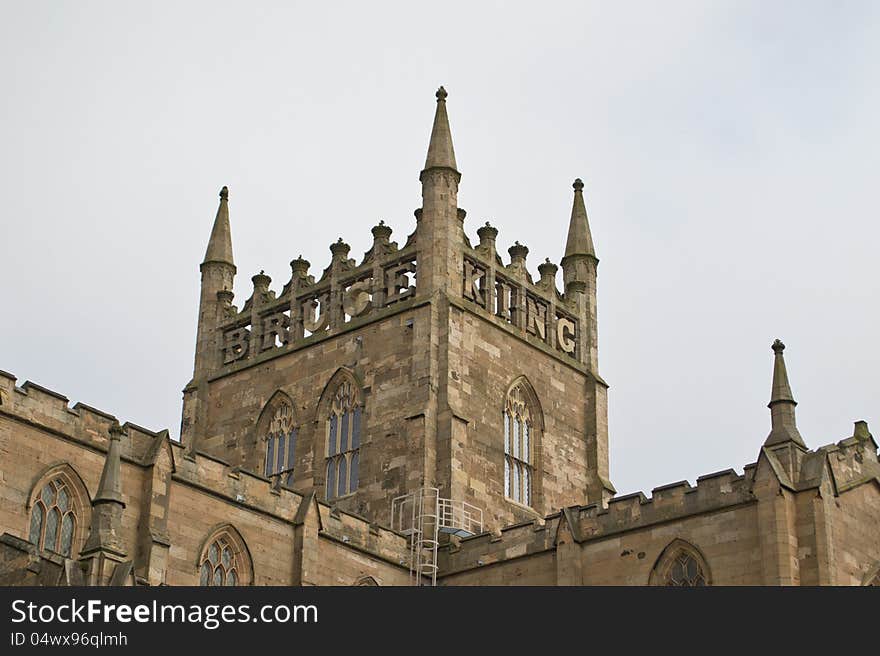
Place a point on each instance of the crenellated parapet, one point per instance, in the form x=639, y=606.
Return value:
x=308, y=309
x=849, y=463
x=852, y=462
x=44, y=408
x=631, y=512
x=510, y=295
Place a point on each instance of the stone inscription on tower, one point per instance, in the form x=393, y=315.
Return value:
x=512, y=302
x=307, y=308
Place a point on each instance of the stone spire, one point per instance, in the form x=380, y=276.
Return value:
x=782, y=403
x=105, y=532
x=220, y=244
x=218, y=275
x=580, y=240
x=440, y=151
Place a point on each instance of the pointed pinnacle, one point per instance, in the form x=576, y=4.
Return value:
x=782, y=404
x=781, y=389
x=441, y=153
x=220, y=244
x=580, y=239
x=110, y=486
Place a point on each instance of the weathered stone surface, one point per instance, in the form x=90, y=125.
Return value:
x=428, y=366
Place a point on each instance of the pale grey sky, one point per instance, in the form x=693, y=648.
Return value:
x=729, y=151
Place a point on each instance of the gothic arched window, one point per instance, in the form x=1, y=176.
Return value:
x=53, y=518
x=280, y=435
x=685, y=572
x=680, y=565
x=519, y=432
x=224, y=560
x=59, y=505
x=343, y=441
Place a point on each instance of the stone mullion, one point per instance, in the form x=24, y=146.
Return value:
x=550, y=321
x=520, y=313
x=335, y=310
x=256, y=338
x=377, y=288
x=489, y=290
x=296, y=319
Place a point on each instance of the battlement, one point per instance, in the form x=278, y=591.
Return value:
x=46, y=408
x=308, y=309
x=853, y=460
x=630, y=512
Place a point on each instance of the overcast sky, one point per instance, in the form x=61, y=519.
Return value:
x=729, y=151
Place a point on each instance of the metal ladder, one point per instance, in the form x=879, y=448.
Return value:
x=421, y=516
x=417, y=515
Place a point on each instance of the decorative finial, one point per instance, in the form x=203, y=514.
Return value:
x=381, y=232
x=339, y=249
x=441, y=94
x=547, y=269
x=262, y=272
x=578, y=184
x=299, y=265
x=381, y=222
x=224, y=193
x=778, y=346
x=518, y=251
x=487, y=232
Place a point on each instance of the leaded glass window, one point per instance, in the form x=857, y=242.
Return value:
x=518, y=457
x=53, y=520
x=220, y=563
x=343, y=441
x=281, y=443
x=685, y=572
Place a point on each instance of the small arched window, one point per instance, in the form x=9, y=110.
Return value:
x=53, y=524
x=225, y=560
x=519, y=426
x=280, y=439
x=680, y=565
x=343, y=441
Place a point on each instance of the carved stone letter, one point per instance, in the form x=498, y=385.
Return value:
x=356, y=299
x=516, y=306
x=311, y=321
x=473, y=278
x=397, y=284
x=275, y=325
x=235, y=345
x=565, y=333
x=536, y=318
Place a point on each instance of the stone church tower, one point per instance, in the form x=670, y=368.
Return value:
x=430, y=366
x=446, y=355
